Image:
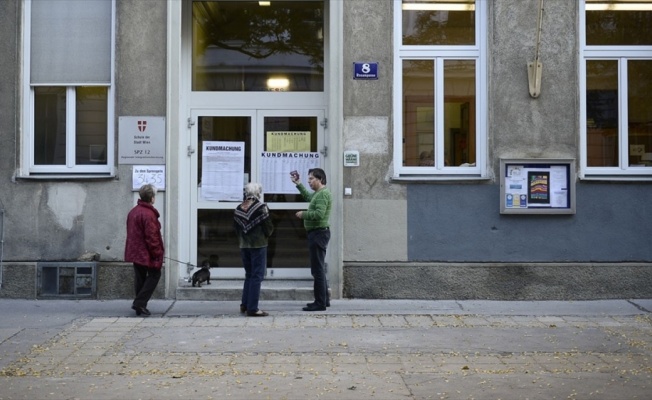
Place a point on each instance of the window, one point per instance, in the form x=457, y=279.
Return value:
x=440, y=95
x=252, y=46
x=616, y=79
x=68, y=89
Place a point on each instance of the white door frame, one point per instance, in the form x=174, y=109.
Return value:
x=179, y=104
x=257, y=120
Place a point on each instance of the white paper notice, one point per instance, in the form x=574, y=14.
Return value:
x=276, y=168
x=222, y=170
x=558, y=189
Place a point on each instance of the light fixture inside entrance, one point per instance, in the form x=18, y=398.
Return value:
x=431, y=5
x=278, y=84
x=264, y=3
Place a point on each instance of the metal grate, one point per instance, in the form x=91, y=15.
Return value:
x=67, y=279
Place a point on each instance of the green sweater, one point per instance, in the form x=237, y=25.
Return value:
x=319, y=210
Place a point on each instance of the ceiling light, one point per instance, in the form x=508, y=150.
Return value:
x=278, y=84
x=264, y=3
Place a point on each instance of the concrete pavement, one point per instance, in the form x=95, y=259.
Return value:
x=357, y=349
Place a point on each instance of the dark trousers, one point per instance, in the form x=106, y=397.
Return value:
x=254, y=262
x=317, y=243
x=145, y=281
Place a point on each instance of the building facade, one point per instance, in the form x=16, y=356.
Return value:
x=493, y=149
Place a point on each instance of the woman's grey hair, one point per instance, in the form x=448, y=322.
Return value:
x=253, y=189
x=147, y=193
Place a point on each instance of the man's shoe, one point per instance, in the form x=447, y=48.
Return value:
x=314, y=307
x=141, y=310
x=328, y=304
x=258, y=313
x=243, y=309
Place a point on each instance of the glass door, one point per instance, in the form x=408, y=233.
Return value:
x=229, y=149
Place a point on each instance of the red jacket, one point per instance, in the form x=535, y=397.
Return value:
x=144, y=242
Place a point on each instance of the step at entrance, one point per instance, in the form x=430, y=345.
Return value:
x=231, y=290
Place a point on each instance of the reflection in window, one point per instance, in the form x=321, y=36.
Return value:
x=91, y=124
x=443, y=68
x=50, y=126
x=639, y=112
x=420, y=126
x=618, y=83
x=602, y=113
x=418, y=115
x=51, y=129
x=438, y=22
x=459, y=112
x=244, y=46
x=616, y=23
x=217, y=241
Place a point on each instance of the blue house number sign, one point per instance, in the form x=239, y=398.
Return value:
x=365, y=70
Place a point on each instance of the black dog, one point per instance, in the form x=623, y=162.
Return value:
x=204, y=274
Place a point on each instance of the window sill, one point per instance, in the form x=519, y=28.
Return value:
x=617, y=178
x=58, y=177
x=438, y=178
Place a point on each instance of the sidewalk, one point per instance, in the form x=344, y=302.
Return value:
x=358, y=349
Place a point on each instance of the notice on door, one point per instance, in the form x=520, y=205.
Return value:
x=222, y=170
x=276, y=168
x=285, y=141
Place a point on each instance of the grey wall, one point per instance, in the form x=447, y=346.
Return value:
x=462, y=223
x=521, y=126
x=68, y=219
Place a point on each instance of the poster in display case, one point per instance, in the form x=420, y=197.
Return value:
x=537, y=186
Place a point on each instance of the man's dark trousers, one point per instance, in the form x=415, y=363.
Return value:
x=317, y=243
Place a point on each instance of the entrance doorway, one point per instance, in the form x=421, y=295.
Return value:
x=230, y=148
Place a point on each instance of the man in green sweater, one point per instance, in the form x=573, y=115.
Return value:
x=315, y=220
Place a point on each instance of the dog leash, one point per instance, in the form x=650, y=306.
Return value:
x=182, y=262
x=187, y=264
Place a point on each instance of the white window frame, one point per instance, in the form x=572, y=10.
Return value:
x=28, y=168
x=620, y=54
x=438, y=54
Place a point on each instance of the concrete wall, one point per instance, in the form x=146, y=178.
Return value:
x=376, y=203
x=521, y=126
x=69, y=219
x=407, y=240
x=486, y=281
x=113, y=281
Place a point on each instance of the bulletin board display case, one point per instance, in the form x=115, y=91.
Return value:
x=537, y=186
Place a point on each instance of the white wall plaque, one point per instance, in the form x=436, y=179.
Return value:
x=141, y=140
x=351, y=158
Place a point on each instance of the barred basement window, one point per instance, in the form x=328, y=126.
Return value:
x=67, y=279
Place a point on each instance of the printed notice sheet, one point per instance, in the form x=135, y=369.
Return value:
x=222, y=170
x=284, y=141
x=276, y=168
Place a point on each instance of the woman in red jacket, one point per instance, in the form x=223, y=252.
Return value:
x=144, y=247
